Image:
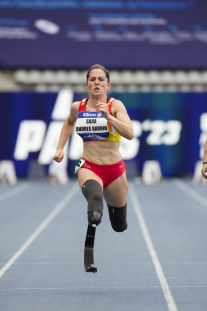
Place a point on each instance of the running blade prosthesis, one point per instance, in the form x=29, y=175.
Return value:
x=88, y=251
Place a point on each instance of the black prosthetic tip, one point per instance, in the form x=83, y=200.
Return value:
x=94, y=218
x=91, y=268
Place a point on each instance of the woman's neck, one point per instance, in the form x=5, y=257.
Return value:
x=92, y=100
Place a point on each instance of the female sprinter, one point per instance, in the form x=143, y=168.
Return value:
x=100, y=121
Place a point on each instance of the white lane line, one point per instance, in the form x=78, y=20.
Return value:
x=41, y=227
x=166, y=290
x=14, y=191
x=97, y=287
x=181, y=185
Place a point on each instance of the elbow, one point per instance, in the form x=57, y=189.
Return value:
x=131, y=135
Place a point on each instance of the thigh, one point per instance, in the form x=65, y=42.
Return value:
x=115, y=194
x=86, y=174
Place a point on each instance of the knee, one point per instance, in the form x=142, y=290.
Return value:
x=93, y=194
x=95, y=199
x=95, y=209
x=118, y=217
x=95, y=205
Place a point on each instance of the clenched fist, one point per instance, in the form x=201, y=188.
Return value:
x=103, y=108
x=59, y=155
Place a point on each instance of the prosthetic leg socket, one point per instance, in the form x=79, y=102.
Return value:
x=117, y=217
x=93, y=193
x=94, y=218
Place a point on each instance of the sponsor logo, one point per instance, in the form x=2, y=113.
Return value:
x=90, y=136
x=46, y=26
x=99, y=114
x=86, y=114
x=83, y=101
x=88, y=166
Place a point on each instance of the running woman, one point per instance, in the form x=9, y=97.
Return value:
x=100, y=121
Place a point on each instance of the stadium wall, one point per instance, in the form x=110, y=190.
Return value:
x=170, y=128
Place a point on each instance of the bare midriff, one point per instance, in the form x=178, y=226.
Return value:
x=102, y=152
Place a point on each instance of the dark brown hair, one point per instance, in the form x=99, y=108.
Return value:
x=97, y=66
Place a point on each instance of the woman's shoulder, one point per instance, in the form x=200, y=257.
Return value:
x=77, y=104
x=75, y=107
x=117, y=106
x=116, y=103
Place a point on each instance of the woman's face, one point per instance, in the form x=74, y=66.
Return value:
x=97, y=83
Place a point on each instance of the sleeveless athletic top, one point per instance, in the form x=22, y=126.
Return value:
x=93, y=126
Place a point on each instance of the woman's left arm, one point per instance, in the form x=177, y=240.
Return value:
x=120, y=119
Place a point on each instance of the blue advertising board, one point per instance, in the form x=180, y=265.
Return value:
x=170, y=128
x=118, y=34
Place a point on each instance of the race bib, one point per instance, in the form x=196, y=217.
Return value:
x=92, y=126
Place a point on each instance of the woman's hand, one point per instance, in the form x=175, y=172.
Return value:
x=103, y=108
x=204, y=170
x=59, y=155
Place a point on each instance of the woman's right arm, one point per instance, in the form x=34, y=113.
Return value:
x=66, y=131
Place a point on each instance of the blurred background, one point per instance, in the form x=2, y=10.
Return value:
x=156, y=52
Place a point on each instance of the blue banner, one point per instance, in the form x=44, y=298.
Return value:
x=170, y=128
x=117, y=34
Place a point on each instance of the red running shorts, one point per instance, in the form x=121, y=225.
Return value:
x=108, y=173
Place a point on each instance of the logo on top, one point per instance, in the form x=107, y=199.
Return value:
x=111, y=100
x=87, y=114
x=47, y=27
